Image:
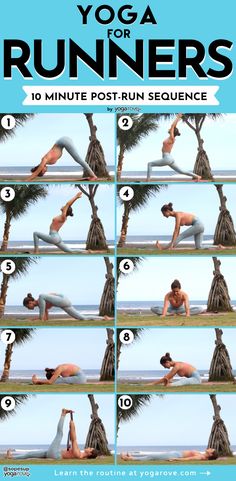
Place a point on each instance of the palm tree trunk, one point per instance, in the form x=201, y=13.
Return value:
x=95, y=155
x=220, y=369
x=124, y=227
x=202, y=164
x=3, y=294
x=96, y=239
x=7, y=363
x=120, y=161
x=107, y=372
x=218, y=299
x=107, y=303
x=96, y=437
x=224, y=232
x=118, y=351
x=219, y=439
x=6, y=232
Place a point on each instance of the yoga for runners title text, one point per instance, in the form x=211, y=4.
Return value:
x=192, y=54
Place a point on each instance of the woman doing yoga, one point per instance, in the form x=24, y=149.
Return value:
x=167, y=158
x=54, y=451
x=176, y=302
x=47, y=301
x=57, y=222
x=62, y=374
x=188, y=373
x=54, y=154
x=188, y=455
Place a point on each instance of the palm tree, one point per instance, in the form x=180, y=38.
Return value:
x=136, y=262
x=142, y=126
x=107, y=303
x=20, y=120
x=218, y=299
x=138, y=402
x=220, y=369
x=95, y=155
x=96, y=437
x=142, y=194
x=219, y=439
x=195, y=122
x=22, y=335
x=137, y=332
x=26, y=195
x=22, y=264
x=107, y=372
x=19, y=400
x=224, y=232
x=96, y=239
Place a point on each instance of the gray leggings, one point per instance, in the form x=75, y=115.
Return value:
x=53, y=450
x=58, y=300
x=196, y=230
x=52, y=238
x=167, y=159
x=157, y=456
x=178, y=310
x=66, y=143
x=79, y=378
x=195, y=378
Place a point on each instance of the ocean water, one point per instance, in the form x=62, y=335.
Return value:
x=23, y=447
x=92, y=374
x=151, y=239
x=73, y=244
x=21, y=310
x=163, y=173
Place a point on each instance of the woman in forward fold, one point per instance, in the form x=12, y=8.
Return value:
x=195, y=228
x=54, y=451
x=57, y=222
x=47, y=301
x=54, y=154
x=167, y=158
x=188, y=373
x=176, y=302
x=188, y=455
x=62, y=374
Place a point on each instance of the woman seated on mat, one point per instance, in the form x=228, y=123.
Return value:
x=176, y=302
x=62, y=374
x=54, y=451
x=188, y=373
x=188, y=455
x=54, y=154
x=47, y=301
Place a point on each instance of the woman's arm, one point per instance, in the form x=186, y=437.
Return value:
x=174, y=124
x=186, y=305
x=70, y=203
x=37, y=171
x=163, y=380
x=176, y=229
x=172, y=373
x=55, y=375
x=166, y=304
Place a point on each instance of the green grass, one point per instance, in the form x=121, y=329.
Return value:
x=225, y=461
x=140, y=251
x=56, y=322
x=78, y=462
x=13, y=387
x=227, y=319
x=226, y=387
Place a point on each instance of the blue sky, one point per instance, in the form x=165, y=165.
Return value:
x=84, y=347
x=175, y=420
x=180, y=343
x=35, y=422
x=39, y=216
x=201, y=200
x=71, y=276
x=39, y=134
x=154, y=276
x=218, y=142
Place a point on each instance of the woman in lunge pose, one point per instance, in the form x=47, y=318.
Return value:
x=47, y=301
x=57, y=222
x=54, y=154
x=167, y=158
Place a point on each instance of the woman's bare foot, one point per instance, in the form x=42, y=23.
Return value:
x=221, y=247
x=125, y=457
x=66, y=411
x=107, y=318
x=9, y=454
x=197, y=178
x=158, y=245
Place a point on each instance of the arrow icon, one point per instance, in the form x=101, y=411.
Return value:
x=207, y=473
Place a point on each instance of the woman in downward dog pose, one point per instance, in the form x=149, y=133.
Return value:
x=54, y=154
x=167, y=158
x=47, y=301
x=57, y=222
x=188, y=373
x=54, y=451
x=62, y=374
